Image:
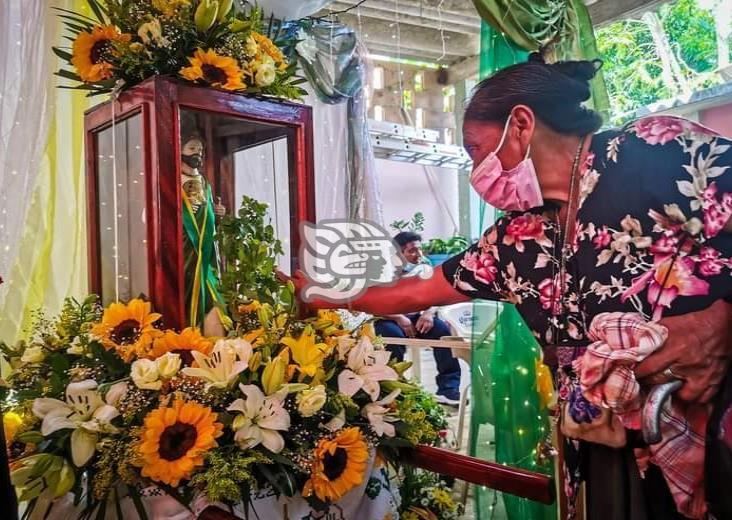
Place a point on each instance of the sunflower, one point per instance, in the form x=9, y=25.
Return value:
x=174, y=439
x=183, y=344
x=218, y=71
x=91, y=50
x=128, y=329
x=339, y=466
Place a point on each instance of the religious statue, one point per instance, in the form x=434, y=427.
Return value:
x=199, y=228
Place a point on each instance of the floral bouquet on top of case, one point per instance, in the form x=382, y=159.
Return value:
x=102, y=404
x=218, y=43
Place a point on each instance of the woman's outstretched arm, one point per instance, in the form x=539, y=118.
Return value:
x=409, y=294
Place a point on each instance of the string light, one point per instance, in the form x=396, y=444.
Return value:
x=115, y=208
x=399, y=54
x=442, y=31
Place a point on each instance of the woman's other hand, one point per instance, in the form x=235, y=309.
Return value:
x=698, y=351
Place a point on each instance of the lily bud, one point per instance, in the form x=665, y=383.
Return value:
x=205, y=15
x=224, y=8
x=255, y=361
x=273, y=375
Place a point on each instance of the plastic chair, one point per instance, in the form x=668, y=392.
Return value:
x=475, y=322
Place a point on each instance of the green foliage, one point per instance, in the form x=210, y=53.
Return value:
x=632, y=66
x=415, y=224
x=250, y=248
x=422, y=418
x=451, y=246
x=692, y=32
x=228, y=476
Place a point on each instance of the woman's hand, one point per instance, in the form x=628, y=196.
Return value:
x=698, y=351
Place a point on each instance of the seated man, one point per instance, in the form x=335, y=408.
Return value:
x=422, y=325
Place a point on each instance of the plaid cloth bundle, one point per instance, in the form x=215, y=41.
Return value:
x=620, y=341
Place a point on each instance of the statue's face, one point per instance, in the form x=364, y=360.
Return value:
x=192, y=147
x=191, y=156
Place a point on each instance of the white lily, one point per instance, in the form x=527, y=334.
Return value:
x=261, y=418
x=229, y=358
x=380, y=415
x=345, y=344
x=366, y=367
x=83, y=411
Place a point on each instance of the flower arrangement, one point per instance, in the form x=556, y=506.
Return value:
x=210, y=42
x=426, y=497
x=102, y=403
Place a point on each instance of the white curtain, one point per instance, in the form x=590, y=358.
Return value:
x=26, y=37
x=331, y=148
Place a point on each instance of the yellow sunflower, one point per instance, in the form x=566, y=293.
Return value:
x=128, y=329
x=215, y=70
x=183, y=344
x=174, y=439
x=339, y=466
x=90, y=50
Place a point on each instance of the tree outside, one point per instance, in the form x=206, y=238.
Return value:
x=671, y=51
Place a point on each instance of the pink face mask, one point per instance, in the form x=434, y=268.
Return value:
x=508, y=190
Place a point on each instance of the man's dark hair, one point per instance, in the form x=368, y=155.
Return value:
x=406, y=237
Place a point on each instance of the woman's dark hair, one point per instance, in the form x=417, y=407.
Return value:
x=554, y=91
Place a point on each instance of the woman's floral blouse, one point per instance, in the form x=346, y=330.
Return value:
x=654, y=200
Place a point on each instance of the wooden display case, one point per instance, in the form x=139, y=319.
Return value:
x=257, y=147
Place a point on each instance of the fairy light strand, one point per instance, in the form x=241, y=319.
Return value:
x=442, y=31
x=115, y=226
x=358, y=17
x=399, y=54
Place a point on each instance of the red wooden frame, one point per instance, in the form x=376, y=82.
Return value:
x=160, y=100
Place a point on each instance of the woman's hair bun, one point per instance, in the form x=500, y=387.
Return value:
x=536, y=57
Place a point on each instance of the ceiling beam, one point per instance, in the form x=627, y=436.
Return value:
x=604, y=12
x=409, y=14
x=414, y=37
x=463, y=69
x=448, y=24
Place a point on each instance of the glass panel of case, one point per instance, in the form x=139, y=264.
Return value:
x=121, y=207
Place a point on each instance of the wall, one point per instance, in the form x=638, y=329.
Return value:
x=405, y=190
x=718, y=118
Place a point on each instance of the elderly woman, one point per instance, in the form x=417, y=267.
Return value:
x=635, y=220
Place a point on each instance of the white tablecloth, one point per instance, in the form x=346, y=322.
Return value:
x=376, y=499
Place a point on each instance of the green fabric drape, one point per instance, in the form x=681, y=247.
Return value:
x=562, y=26
x=503, y=368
